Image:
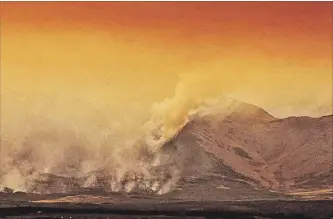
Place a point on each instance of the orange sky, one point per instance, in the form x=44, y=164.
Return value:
x=277, y=55
x=256, y=23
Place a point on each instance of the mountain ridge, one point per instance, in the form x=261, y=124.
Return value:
x=262, y=148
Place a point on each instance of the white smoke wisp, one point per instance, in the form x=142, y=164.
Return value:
x=194, y=96
x=170, y=115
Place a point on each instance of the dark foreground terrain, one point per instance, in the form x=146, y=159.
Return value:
x=118, y=206
x=244, y=209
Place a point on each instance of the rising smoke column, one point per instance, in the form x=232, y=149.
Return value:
x=91, y=155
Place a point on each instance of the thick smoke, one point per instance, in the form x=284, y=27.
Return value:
x=47, y=153
x=53, y=157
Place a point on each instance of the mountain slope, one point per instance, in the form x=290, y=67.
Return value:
x=279, y=154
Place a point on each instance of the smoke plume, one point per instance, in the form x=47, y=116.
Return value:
x=46, y=150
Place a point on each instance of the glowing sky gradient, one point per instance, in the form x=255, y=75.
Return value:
x=123, y=57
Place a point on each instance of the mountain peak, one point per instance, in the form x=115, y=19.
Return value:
x=248, y=111
x=226, y=107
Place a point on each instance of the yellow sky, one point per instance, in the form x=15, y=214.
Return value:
x=121, y=58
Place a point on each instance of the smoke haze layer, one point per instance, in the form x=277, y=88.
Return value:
x=43, y=136
x=79, y=141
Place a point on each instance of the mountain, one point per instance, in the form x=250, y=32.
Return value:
x=227, y=150
x=249, y=145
